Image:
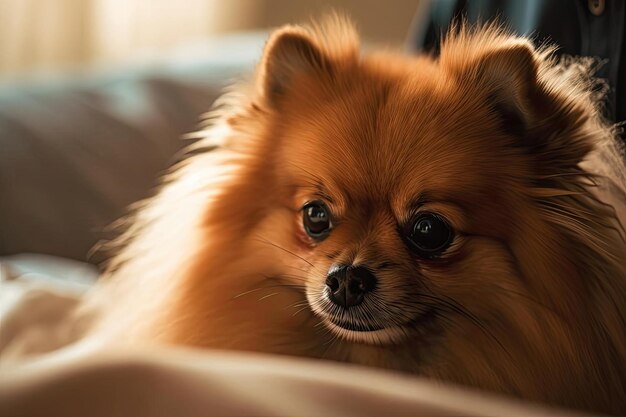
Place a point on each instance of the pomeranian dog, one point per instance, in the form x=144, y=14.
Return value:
x=455, y=217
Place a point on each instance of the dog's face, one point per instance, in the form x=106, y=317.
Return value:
x=407, y=187
x=398, y=208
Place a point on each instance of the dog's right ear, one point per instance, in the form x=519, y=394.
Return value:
x=290, y=53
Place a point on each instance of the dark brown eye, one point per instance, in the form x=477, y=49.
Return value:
x=316, y=219
x=430, y=234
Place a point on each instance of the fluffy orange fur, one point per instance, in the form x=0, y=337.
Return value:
x=494, y=135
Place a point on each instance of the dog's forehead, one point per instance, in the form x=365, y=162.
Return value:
x=386, y=137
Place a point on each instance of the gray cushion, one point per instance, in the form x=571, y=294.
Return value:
x=75, y=153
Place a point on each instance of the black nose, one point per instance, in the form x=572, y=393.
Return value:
x=349, y=284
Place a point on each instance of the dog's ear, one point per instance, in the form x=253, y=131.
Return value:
x=290, y=53
x=509, y=76
x=546, y=118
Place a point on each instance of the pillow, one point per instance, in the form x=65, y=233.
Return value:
x=75, y=153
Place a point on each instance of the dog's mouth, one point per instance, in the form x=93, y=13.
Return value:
x=378, y=334
x=422, y=319
x=360, y=325
x=371, y=322
x=354, y=326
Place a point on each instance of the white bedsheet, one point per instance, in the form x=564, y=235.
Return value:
x=36, y=293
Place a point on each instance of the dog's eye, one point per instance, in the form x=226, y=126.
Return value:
x=316, y=219
x=430, y=235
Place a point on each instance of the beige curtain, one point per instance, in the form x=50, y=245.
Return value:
x=40, y=35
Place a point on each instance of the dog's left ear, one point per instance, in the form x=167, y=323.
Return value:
x=509, y=75
x=541, y=118
x=290, y=53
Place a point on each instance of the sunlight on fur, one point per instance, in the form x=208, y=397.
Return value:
x=454, y=217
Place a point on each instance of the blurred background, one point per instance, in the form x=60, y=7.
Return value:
x=39, y=36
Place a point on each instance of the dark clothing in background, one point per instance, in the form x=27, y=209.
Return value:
x=579, y=27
